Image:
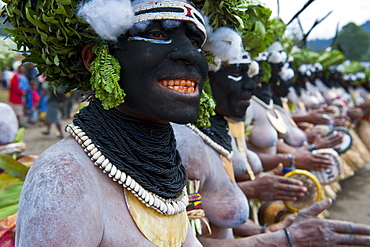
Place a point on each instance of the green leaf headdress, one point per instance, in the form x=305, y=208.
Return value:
x=51, y=34
x=250, y=18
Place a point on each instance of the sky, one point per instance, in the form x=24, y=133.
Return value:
x=343, y=12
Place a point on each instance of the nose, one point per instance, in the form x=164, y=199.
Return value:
x=184, y=51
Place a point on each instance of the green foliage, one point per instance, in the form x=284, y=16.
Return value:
x=266, y=68
x=8, y=210
x=330, y=58
x=247, y=128
x=105, y=77
x=248, y=17
x=12, y=167
x=206, y=110
x=353, y=41
x=19, y=136
x=9, y=199
x=207, y=87
x=51, y=35
x=353, y=67
x=11, y=182
x=303, y=56
x=7, y=54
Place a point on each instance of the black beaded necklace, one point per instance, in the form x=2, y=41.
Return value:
x=218, y=132
x=144, y=150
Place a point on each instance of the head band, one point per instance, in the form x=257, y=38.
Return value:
x=169, y=10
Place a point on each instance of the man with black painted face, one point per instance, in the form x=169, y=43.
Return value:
x=118, y=179
x=232, y=89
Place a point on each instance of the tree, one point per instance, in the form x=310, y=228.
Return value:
x=353, y=41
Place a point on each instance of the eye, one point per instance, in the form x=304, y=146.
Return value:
x=156, y=34
x=196, y=42
x=235, y=73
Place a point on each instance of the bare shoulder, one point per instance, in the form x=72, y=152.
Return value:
x=193, y=151
x=57, y=197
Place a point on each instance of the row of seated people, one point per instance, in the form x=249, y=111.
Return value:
x=238, y=175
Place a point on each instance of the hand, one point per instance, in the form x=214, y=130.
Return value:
x=308, y=230
x=365, y=105
x=270, y=186
x=319, y=117
x=312, y=134
x=280, y=225
x=306, y=160
x=355, y=113
x=330, y=141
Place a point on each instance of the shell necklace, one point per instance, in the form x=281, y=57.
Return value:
x=277, y=122
x=164, y=206
x=225, y=155
x=220, y=149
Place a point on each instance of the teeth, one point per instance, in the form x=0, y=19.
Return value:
x=184, y=86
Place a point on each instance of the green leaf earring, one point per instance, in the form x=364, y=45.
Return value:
x=105, y=77
x=206, y=110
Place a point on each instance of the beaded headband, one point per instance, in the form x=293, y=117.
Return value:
x=169, y=10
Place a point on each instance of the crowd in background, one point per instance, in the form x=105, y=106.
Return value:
x=33, y=100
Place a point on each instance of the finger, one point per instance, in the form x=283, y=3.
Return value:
x=285, y=198
x=350, y=228
x=290, y=192
x=288, y=181
x=319, y=166
x=353, y=240
x=316, y=208
x=322, y=161
x=288, y=221
x=336, y=139
x=288, y=196
x=278, y=170
x=290, y=189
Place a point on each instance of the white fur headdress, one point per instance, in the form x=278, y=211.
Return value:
x=108, y=18
x=112, y=18
x=227, y=46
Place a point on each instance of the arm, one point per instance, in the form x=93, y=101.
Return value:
x=271, y=161
x=304, y=159
x=305, y=230
x=317, y=116
x=58, y=206
x=268, y=187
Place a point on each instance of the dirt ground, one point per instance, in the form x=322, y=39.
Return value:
x=351, y=204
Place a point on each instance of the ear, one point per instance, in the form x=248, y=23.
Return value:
x=88, y=56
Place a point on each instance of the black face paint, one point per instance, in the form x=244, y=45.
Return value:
x=281, y=88
x=264, y=92
x=232, y=89
x=154, y=59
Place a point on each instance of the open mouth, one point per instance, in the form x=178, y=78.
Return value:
x=179, y=85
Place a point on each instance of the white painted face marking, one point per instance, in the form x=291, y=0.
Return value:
x=235, y=78
x=153, y=41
